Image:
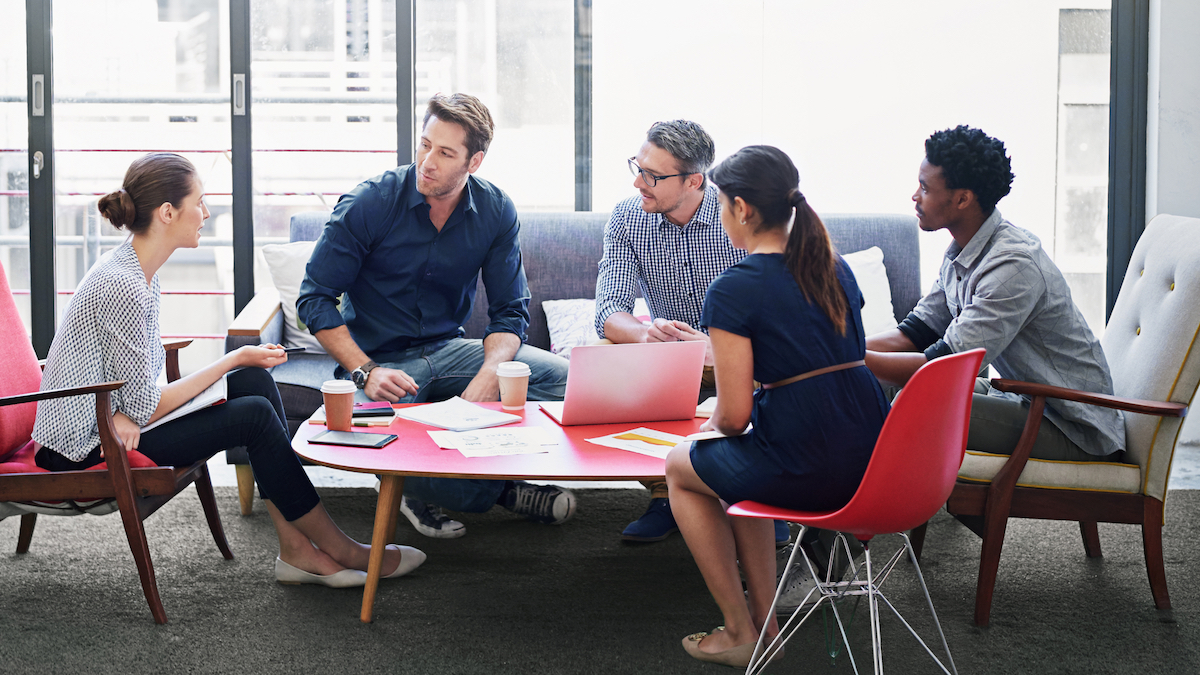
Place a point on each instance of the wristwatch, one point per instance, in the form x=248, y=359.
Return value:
x=359, y=374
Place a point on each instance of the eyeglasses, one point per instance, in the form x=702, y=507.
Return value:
x=649, y=178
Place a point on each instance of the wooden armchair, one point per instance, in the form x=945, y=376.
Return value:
x=129, y=480
x=1150, y=346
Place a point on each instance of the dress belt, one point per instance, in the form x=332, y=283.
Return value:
x=814, y=373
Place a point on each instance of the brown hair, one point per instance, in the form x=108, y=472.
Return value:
x=151, y=181
x=467, y=112
x=766, y=178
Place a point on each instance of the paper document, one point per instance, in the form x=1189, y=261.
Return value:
x=707, y=408
x=217, y=392
x=456, y=415
x=713, y=433
x=495, y=442
x=642, y=441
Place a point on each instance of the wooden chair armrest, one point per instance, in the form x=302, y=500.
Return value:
x=175, y=345
x=256, y=315
x=62, y=393
x=1105, y=400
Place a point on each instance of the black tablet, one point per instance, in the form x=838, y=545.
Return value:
x=356, y=439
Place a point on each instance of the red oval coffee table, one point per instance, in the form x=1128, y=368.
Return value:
x=414, y=453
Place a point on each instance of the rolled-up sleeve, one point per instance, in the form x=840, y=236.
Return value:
x=504, y=279
x=1001, y=304
x=616, y=283
x=337, y=257
x=933, y=311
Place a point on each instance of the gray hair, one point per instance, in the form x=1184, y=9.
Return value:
x=687, y=142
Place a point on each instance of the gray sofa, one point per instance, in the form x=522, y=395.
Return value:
x=560, y=252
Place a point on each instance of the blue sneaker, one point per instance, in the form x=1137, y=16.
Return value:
x=656, y=524
x=783, y=534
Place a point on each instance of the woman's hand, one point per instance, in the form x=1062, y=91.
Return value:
x=707, y=425
x=260, y=356
x=128, y=432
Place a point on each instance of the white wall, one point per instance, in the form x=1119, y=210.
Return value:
x=1173, y=142
x=1173, y=129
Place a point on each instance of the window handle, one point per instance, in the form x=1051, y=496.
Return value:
x=39, y=163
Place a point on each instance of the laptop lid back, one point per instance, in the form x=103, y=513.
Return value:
x=609, y=384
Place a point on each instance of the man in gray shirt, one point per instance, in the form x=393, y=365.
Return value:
x=998, y=290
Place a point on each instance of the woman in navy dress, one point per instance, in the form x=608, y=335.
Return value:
x=789, y=308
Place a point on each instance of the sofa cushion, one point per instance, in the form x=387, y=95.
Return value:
x=286, y=263
x=1063, y=475
x=872, y=279
x=573, y=322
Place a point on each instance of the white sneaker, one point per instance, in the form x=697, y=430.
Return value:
x=429, y=520
x=799, y=590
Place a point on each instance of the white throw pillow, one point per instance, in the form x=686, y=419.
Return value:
x=287, y=262
x=873, y=283
x=572, y=322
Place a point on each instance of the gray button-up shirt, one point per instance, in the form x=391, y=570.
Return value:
x=1002, y=292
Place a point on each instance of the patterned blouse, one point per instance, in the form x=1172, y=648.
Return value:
x=109, y=332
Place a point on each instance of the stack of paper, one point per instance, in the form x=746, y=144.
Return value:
x=374, y=414
x=456, y=415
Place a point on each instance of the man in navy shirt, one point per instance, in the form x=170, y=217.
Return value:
x=404, y=250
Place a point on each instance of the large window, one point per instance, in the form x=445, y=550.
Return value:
x=153, y=83
x=852, y=90
x=518, y=58
x=324, y=103
x=14, y=161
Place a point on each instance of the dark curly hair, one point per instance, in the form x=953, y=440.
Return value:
x=972, y=160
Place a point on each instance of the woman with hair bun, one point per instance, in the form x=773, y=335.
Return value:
x=110, y=331
x=787, y=315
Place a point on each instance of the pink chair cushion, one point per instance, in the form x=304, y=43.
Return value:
x=22, y=375
x=22, y=461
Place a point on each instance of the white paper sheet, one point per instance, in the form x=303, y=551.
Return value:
x=495, y=442
x=639, y=446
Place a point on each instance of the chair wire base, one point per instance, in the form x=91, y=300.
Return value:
x=832, y=590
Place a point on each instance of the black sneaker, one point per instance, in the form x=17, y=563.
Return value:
x=429, y=520
x=546, y=504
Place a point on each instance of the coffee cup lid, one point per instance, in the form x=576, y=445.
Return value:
x=512, y=369
x=338, y=387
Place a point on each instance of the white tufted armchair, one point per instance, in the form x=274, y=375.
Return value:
x=1150, y=346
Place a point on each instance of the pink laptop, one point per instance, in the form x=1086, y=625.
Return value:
x=609, y=384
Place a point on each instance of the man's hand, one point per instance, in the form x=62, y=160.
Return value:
x=678, y=331
x=483, y=387
x=387, y=384
x=128, y=432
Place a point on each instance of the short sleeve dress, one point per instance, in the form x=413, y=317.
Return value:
x=812, y=439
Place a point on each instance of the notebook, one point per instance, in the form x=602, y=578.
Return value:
x=610, y=384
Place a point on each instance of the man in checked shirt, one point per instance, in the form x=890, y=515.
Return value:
x=668, y=243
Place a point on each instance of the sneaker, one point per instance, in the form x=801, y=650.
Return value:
x=800, y=589
x=783, y=533
x=429, y=520
x=546, y=504
x=656, y=524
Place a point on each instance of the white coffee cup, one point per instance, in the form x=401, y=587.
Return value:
x=514, y=384
x=339, y=404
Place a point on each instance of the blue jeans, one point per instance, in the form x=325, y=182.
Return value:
x=443, y=370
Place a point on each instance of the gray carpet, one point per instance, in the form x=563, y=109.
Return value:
x=513, y=597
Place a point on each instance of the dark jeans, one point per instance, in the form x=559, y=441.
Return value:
x=253, y=417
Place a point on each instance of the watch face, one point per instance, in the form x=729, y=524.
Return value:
x=360, y=379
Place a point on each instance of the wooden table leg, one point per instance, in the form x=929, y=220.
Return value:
x=390, y=488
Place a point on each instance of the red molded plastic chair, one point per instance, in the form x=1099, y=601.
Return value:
x=130, y=481
x=911, y=473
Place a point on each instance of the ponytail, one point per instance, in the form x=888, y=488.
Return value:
x=809, y=257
